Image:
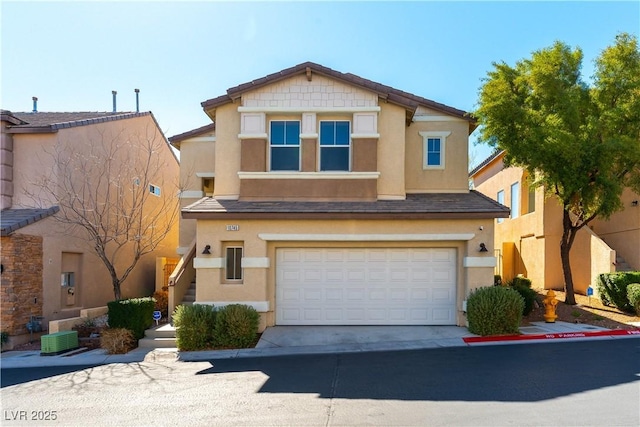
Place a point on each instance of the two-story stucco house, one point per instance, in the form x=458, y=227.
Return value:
x=528, y=242
x=323, y=198
x=50, y=271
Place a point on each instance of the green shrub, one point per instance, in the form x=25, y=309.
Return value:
x=520, y=281
x=633, y=295
x=4, y=338
x=117, y=340
x=236, y=326
x=135, y=314
x=523, y=286
x=494, y=310
x=612, y=288
x=195, y=325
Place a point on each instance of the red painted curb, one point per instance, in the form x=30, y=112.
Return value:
x=493, y=338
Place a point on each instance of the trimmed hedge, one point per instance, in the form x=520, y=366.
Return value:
x=494, y=310
x=633, y=295
x=135, y=314
x=523, y=286
x=612, y=288
x=236, y=326
x=195, y=326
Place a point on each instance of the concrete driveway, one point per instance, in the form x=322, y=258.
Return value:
x=395, y=336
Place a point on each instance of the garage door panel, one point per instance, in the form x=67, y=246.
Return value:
x=355, y=286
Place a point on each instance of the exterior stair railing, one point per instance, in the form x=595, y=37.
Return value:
x=181, y=278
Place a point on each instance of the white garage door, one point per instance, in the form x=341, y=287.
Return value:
x=349, y=286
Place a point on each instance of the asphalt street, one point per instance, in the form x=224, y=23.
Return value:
x=569, y=383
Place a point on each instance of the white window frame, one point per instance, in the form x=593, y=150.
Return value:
x=281, y=146
x=155, y=190
x=500, y=199
x=515, y=200
x=320, y=147
x=426, y=135
x=234, y=280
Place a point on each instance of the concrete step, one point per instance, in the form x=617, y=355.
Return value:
x=157, y=343
x=162, y=331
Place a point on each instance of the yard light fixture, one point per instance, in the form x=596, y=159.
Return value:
x=483, y=248
x=207, y=250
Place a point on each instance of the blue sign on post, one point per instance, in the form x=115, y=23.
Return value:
x=157, y=315
x=589, y=291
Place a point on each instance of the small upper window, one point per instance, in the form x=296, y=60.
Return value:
x=434, y=149
x=285, y=145
x=515, y=200
x=154, y=189
x=207, y=186
x=335, y=138
x=500, y=199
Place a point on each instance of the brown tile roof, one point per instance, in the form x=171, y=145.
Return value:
x=415, y=206
x=14, y=219
x=42, y=122
x=404, y=99
x=177, y=139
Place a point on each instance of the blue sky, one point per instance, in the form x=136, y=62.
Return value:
x=71, y=55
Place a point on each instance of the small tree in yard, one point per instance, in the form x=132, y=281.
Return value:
x=109, y=187
x=581, y=141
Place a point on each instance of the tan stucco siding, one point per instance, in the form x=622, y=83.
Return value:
x=94, y=288
x=32, y=157
x=622, y=230
x=228, y=152
x=196, y=157
x=391, y=151
x=307, y=189
x=259, y=283
x=449, y=178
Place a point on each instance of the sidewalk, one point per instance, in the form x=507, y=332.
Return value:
x=282, y=341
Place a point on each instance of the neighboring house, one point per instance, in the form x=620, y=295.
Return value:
x=322, y=198
x=528, y=242
x=48, y=271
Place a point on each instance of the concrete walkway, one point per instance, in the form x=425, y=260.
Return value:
x=299, y=340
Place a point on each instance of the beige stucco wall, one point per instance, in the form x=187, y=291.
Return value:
x=530, y=244
x=227, y=158
x=391, y=152
x=450, y=178
x=197, y=156
x=622, y=230
x=259, y=283
x=93, y=283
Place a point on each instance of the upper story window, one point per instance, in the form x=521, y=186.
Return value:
x=515, y=200
x=500, y=199
x=154, y=189
x=284, y=144
x=434, y=149
x=335, y=142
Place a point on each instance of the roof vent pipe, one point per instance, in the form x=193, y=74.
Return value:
x=35, y=104
x=114, y=93
x=137, y=100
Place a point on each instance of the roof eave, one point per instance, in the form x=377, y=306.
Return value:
x=343, y=215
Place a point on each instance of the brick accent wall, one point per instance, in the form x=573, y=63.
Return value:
x=21, y=285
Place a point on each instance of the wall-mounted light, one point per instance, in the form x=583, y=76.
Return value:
x=483, y=248
x=207, y=250
x=634, y=203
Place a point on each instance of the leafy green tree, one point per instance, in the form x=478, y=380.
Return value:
x=580, y=140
